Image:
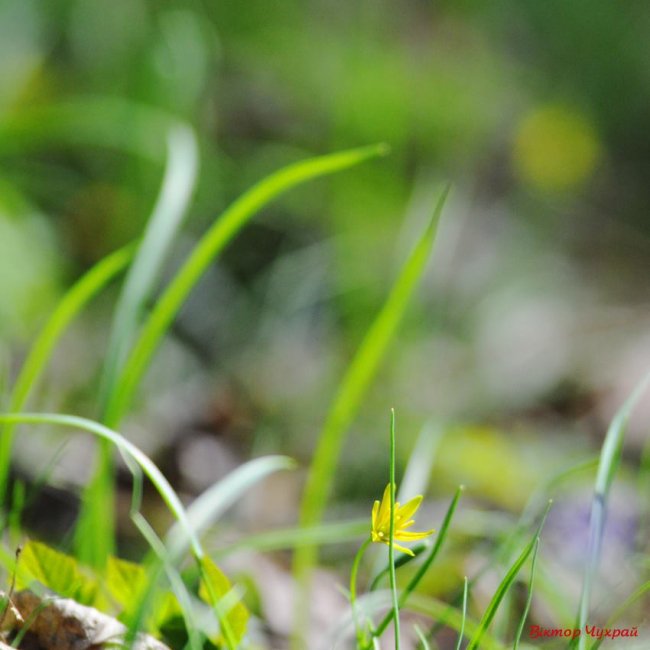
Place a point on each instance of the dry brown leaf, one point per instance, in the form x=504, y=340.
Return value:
x=63, y=624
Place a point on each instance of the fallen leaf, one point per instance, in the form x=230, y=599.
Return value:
x=63, y=624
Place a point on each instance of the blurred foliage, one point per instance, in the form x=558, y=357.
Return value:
x=536, y=300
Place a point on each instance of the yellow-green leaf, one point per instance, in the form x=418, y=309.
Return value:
x=56, y=571
x=125, y=582
x=219, y=586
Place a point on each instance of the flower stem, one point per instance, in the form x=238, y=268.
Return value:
x=391, y=550
x=353, y=583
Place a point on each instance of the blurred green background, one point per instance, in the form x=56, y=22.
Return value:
x=532, y=323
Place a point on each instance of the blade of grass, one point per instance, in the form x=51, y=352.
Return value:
x=505, y=585
x=167, y=216
x=421, y=637
x=461, y=633
x=643, y=489
x=213, y=242
x=212, y=503
x=418, y=470
x=529, y=599
x=391, y=534
x=94, y=534
x=619, y=611
x=610, y=457
x=400, y=562
x=88, y=286
x=347, y=401
x=287, y=538
x=424, y=567
x=137, y=621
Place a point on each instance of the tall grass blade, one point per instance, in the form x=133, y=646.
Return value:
x=401, y=561
x=391, y=534
x=529, y=598
x=610, y=457
x=213, y=242
x=461, y=632
x=418, y=469
x=621, y=609
x=136, y=621
x=208, y=507
x=505, y=585
x=167, y=216
x=288, y=538
x=422, y=637
x=94, y=536
x=352, y=389
x=69, y=306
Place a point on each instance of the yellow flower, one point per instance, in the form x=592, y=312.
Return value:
x=381, y=522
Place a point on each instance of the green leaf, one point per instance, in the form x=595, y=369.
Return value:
x=220, y=586
x=56, y=571
x=125, y=581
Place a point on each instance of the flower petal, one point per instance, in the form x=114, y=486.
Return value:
x=383, y=517
x=375, y=510
x=406, y=536
x=410, y=507
x=408, y=551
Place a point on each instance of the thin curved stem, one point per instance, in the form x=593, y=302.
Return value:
x=353, y=582
x=391, y=550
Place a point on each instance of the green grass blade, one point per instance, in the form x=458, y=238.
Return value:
x=619, y=611
x=210, y=505
x=504, y=587
x=418, y=469
x=353, y=387
x=136, y=621
x=218, y=236
x=461, y=632
x=391, y=534
x=610, y=457
x=401, y=561
x=167, y=216
x=529, y=598
x=94, y=535
x=424, y=567
x=643, y=490
x=288, y=538
x=422, y=637
x=70, y=305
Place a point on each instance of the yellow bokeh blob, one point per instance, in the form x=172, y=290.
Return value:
x=556, y=148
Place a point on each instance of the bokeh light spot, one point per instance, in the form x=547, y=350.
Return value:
x=556, y=148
